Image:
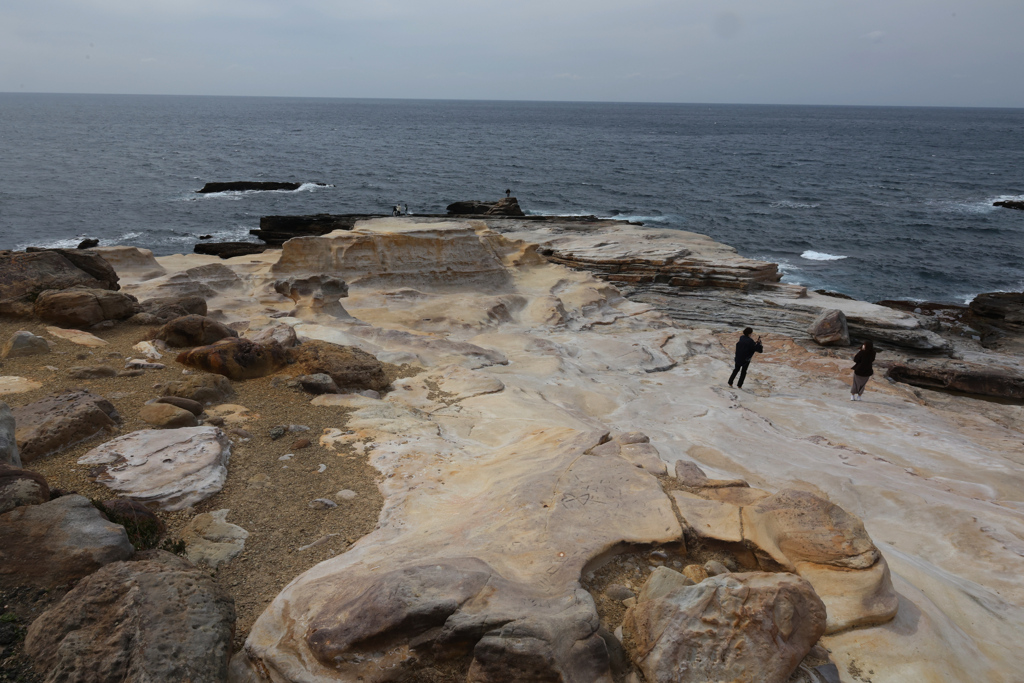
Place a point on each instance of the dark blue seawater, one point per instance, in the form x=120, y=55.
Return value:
x=903, y=195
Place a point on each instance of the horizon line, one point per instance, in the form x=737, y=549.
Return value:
x=522, y=101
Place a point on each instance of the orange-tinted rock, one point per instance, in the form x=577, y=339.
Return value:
x=350, y=368
x=60, y=421
x=236, y=359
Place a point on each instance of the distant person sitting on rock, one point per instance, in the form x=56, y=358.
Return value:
x=862, y=370
x=508, y=193
x=745, y=350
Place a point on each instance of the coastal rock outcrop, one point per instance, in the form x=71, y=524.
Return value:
x=236, y=358
x=958, y=375
x=315, y=294
x=1010, y=204
x=508, y=206
x=60, y=421
x=193, y=330
x=90, y=262
x=170, y=468
x=56, y=542
x=1005, y=307
x=733, y=627
x=157, y=618
x=163, y=310
x=132, y=262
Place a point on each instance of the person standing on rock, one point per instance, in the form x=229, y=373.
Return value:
x=862, y=370
x=746, y=347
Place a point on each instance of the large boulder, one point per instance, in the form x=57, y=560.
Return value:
x=796, y=526
x=970, y=378
x=276, y=230
x=60, y=421
x=281, y=333
x=23, y=343
x=21, y=487
x=23, y=276
x=155, y=619
x=167, y=416
x=193, y=330
x=84, y=307
x=162, y=310
x=351, y=368
x=236, y=358
x=732, y=627
x=203, y=389
x=829, y=328
x=8, y=441
x=170, y=468
x=56, y=542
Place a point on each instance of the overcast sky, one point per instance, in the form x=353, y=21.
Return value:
x=881, y=52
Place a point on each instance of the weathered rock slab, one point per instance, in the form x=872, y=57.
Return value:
x=60, y=421
x=155, y=619
x=211, y=540
x=732, y=627
x=171, y=468
x=56, y=542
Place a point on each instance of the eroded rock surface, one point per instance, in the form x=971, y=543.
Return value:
x=23, y=343
x=21, y=487
x=236, y=358
x=84, y=307
x=154, y=619
x=733, y=627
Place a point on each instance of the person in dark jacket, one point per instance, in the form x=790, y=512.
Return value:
x=862, y=370
x=746, y=347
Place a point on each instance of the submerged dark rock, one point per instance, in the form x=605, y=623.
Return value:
x=1010, y=204
x=240, y=186
x=88, y=243
x=227, y=250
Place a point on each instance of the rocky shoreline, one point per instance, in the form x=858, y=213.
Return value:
x=497, y=448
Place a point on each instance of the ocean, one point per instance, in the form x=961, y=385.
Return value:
x=877, y=203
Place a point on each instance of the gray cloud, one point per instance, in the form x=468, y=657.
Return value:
x=796, y=51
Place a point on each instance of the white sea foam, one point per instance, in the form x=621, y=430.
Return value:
x=820, y=256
